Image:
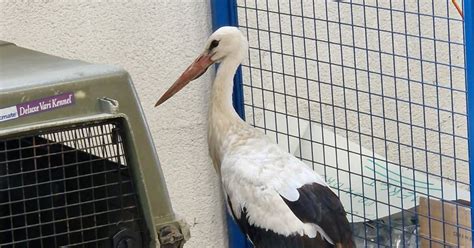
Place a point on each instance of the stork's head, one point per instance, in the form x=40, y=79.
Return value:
x=226, y=43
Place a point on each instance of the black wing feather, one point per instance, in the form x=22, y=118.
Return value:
x=262, y=238
x=310, y=207
x=319, y=205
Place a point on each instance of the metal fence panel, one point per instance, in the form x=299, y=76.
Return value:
x=371, y=94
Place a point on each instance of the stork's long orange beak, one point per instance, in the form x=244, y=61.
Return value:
x=195, y=70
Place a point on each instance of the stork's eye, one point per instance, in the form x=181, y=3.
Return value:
x=214, y=44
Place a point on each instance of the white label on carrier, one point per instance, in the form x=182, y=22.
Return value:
x=9, y=113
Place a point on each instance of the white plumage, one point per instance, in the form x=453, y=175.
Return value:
x=277, y=200
x=256, y=174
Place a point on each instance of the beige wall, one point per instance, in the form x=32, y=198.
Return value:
x=154, y=41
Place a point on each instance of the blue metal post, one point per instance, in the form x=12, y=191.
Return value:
x=224, y=13
x=469, y=44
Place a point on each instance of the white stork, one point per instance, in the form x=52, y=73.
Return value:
x=276, y=199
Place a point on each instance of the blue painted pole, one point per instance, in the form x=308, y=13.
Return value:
x=469, y=43
x=224, y=13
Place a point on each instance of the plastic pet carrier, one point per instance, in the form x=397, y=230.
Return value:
x=77, y=163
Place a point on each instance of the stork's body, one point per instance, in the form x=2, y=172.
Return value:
x=276, y=199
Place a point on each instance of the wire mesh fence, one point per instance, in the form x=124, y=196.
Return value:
x=372, y=95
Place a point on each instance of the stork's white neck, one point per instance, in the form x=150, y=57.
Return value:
x=222, y=115
x=222, y=88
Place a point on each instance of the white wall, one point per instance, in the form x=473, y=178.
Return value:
x=154, y=41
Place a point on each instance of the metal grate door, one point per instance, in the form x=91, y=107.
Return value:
x=69, y=187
